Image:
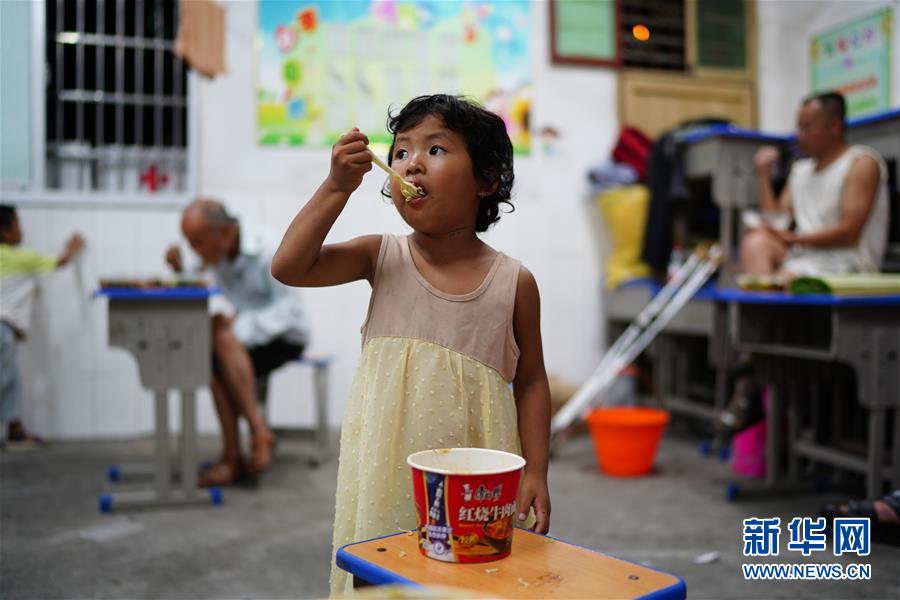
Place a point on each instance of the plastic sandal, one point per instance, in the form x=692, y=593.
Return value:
x=222, y=473
x=884, y=532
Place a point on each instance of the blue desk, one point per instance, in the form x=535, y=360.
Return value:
x=623, y=304
x=157, y=293
x=724, y=131
x=538, y=567
x=167, y=330
x=787, y=333
x=724, y=153
x=787, y=299
x=791, y=336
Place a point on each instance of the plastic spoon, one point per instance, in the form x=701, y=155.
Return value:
x=407, y=189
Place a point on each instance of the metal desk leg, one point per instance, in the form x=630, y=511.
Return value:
x=663, y=369
x=321, y=384
x=836, y=433
x=875, y=455
x=895, y=453
x=721, y=356
x=793, y=432
x=721, y=388
x=161, y=460
x=679, y=374
x=188, y=442
x=163, y=493
x=773, y=435
x=726, y=237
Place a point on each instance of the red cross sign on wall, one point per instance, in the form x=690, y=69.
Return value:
x=153, y=178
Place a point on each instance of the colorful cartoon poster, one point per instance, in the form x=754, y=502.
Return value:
x=326, y=66
x=855, y=59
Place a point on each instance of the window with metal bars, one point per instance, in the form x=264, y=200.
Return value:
x=665, y=47
x=116, y=97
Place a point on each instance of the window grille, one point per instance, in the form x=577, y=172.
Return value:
x=666, y=47
x=116, y=98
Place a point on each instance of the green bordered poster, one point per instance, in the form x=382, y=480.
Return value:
x=855, y=59
x=584, y=32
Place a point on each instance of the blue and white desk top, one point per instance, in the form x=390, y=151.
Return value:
x=157, y=293
x=735, y=132
x=709, y=292
x=786, y=299
x=539, y=567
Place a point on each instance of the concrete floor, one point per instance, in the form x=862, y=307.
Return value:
x=274, y=541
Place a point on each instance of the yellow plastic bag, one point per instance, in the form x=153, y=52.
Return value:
x=624, y=210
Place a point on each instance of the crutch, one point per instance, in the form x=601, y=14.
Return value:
x=631, y=334
x=652, y=309
x=655, y=316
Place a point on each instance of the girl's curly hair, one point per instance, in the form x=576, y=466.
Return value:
x=487, y=142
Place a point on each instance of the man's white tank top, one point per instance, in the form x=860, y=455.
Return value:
x=816, y=203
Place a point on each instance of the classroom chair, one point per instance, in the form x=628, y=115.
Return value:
x=319, y=431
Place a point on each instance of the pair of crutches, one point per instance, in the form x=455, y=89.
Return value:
x=661, y=309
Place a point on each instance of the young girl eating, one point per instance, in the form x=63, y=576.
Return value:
x=451, y=321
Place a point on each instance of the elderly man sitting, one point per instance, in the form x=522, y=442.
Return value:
x=268, y=329
x=837, y=197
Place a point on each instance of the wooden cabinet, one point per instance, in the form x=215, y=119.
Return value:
x=655, y=102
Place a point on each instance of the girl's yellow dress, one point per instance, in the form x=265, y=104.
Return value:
x=435, y=372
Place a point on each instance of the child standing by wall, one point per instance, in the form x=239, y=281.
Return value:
x=451, y=323
x=19, y=268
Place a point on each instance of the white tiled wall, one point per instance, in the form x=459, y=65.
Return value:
x=78, y=387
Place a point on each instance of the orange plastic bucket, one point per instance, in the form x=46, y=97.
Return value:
x=625, y=438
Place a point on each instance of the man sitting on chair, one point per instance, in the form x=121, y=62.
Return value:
x=837, y=197
x=268, y=329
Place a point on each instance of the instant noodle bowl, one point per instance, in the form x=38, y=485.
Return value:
x=465, y=502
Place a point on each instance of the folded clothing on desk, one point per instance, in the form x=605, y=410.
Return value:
x=759, y=283
x=851, y=284
x=847, y=284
